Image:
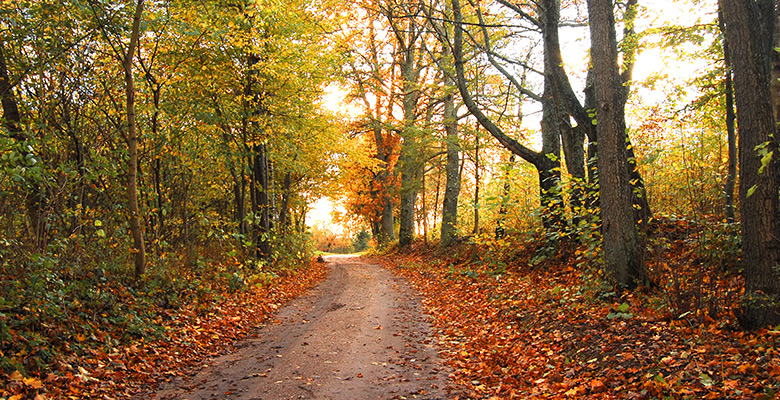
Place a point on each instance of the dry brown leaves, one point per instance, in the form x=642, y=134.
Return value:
x=190, y=339
x=535, y=333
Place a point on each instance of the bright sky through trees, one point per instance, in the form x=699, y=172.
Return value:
x=664, y=67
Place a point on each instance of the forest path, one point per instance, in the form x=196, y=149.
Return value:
x=360, y=334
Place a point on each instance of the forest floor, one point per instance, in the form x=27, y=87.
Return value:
x=106, y=362
x=475, y=321
x=511, y=328
x=360, y=334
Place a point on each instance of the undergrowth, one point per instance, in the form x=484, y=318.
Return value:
x=530, y=318
x=59, y=304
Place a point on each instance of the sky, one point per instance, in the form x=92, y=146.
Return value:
x=320, y=215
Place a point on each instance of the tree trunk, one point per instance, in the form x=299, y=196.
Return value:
x=132, y=147
x=750, y=37
x=555, y=119
x=424, y=211
x=623, y=252
x=386, y=222
x=410, y=151
x=475, y=231
x=731, y=136
x=261, y=188
x=449, y=214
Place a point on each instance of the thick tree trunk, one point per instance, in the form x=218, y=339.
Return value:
x=132, y=148
x=555, y=118
x=384, y=199
x=387, y=222
x=750, y=38
x=410, y=151
x=258, y=164
x=449, y=214
x=623, y=252
x=11, y=117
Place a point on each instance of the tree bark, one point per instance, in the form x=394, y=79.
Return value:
x=475, y=231
x=623, y=252
x=258, y=165
x=750, y=38
x=555, y=117
x=11, y=117
x=731, y=136
x=132, y=147
x=449, y=214
x=409, y=160
x=384, y=199
x=261, y=187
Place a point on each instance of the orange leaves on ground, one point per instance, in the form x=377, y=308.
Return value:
x=190, y=337
x=536, y=332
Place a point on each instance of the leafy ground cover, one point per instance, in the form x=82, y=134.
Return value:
x=514, y=327
x=71, y=333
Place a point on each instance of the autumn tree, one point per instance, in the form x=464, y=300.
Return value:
x=444, y=62
x=449, y=217
x=730, y=121
x=623, y=250
x=546, y=161
x=369, y=70
x=403, y=21
x=750, y=40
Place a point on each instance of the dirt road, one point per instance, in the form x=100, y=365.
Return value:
x=360, y=334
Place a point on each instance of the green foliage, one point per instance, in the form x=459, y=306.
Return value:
x=361, y=241
x=461, y=272
x=621, y=312
x=290, y=251
x=55, y=307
